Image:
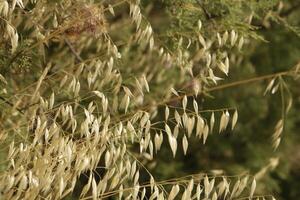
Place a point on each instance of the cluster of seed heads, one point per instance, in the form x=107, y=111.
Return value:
x=93, y=116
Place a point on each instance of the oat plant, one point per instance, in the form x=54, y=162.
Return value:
x=97, y=88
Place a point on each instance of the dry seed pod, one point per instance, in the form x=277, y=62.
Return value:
x=278, y=129
x=276, y=143
x=177, y=118
x=145, y=83
x=205, y=133
x=215, y=196
x=234, y=119
x=125, y=103
x=206, y=186
x=176, y=131
x=252, y=189
x=270, y=85
x=3, y=79
x=227, y=63
x=212, y=121
x=289, y=105
x=174, y=191
x=157, y=142
x=184, y=102
x=213, y=77
x=219, y=39
x=139, y=86
x=198, y=192
x=235, y=189
x=225, y=37
x=184, y=144
x=51, y=101
x=167, y=112
x=275, y=88
x=168, y=130
x=94, y=189
x=63, y=81
x=223, y=68
x=185, y=120
x=151, y=43
x=241, y=43
x=224, y=121
x=199, y=24
x=190, y=125
x=208, y=60
x=174, y=91
x=173, y=144
x=143, y=194
x=195, y=104
x=233, y=37
x=5, y=9
x=200, y=126
x=111, y=10
x=202, y=41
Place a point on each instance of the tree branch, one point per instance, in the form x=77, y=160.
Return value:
x=11, y=105
x=77, y=56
